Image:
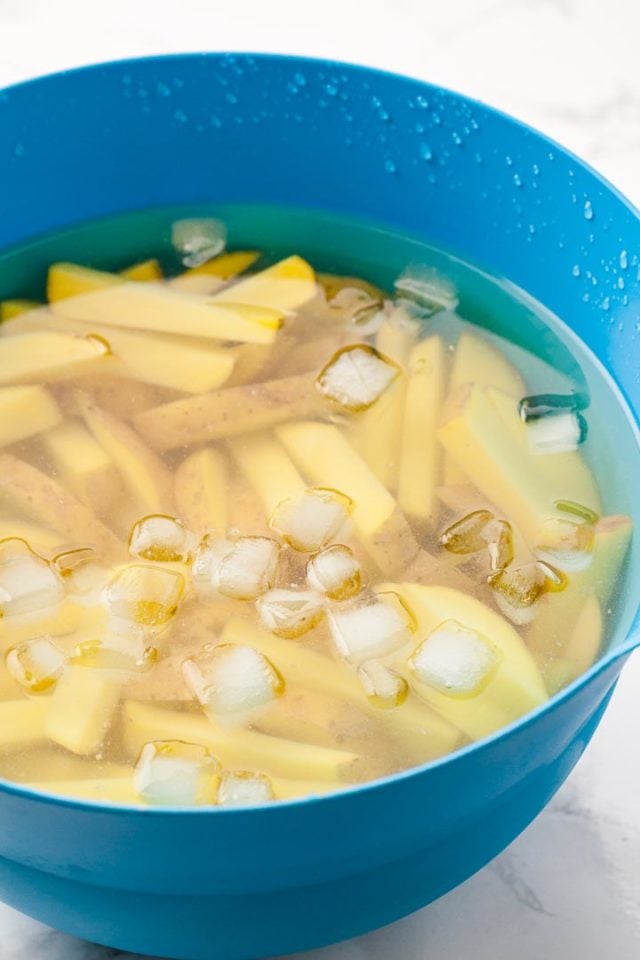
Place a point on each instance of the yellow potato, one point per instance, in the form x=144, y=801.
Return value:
x=48, y=356
x=98, y=789
x=82, y=465
x=268, y=468
x=25, y=411
x=200, y=485
x=82, y=708
x=285, y=286
x=143, y=272
x=14, y=308
x=22, y=723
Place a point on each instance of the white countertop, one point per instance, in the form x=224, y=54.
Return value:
x=569, y=887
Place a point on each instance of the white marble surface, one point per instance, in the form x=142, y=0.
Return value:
x=570, y=886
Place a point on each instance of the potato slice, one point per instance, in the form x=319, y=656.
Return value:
x=228, y=413
x=47, y=356
x=118, y=395
x=71, y=280
x=145, y=476
x=476, y=360
x=26, y=411
x=285, y=286
x=143, y=272
x=31, y=492
x=160, y=308
x=326, y=457
x=245, y=749
x=226, y=265
x=516, y=685
x=9, y=309
x=268, y=468
x=82, y=707
x=490, y=445
x=200, y=485
x=420, y=452
x=553, y=629
x=83, y=465
x=22, y=723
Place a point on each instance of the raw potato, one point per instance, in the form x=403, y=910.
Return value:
x=48, y=356
x=491, y=447
x=201, y=485
x=420, y=452
x=516, y=685
x=557, y=613
x=145, y=476
x=22, y=723
x=307, y=717
x=326, y=457
x=227, y=413
x=31, y=492
x=117, y=395
x=245, y=749
x=268, y=468
x=71, y=280
x=161, y=308
x=44, y=763
x=25, y=411
x=476, y=360
x=82, y=465
x=64, y=621
x=82, y=707
x=13, y=308
x=285, y=286
x=143, y=272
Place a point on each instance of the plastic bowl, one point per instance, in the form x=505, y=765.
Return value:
x=252, y=883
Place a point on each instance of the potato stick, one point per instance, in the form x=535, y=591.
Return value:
x=28, y=490
x=22, y=723
x=267, y=466
x=229, y=412
x=246, y=513
x=46, y=356
x=82, y=707
x=83, y=466
x=420, y=453
x=62, y=621
x=201, y=485
x=226, y=265
x=242, y=749
x=143, y=272
x=161, y=308
x=13, y=308
x=309, y=717
x=145, y=476
x=26, y=411
x=285, y=286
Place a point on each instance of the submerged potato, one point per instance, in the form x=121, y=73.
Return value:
x=265, y=534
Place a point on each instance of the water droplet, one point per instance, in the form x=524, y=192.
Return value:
x=588, y=210
x=422, y=102
x=163, y=89
x=330, y=89
x=551, y=155
x=457, y=139
x=575, y=270
x=508, y=161
x=606, y=303
x=585, y=298
x=425, y=151
x=292, y=87
x=624, y=259
x=535, y=169
x=126, y=80
x=215, y=121
x=300, y=79
x=517, y=179
x=532, y=228
x=432, y=178
x=570, y=174
x=390, y=166
x=436, y=119
x=620, y=283
x=180, y=116
x=478, y=157
x=18, y=150
x=231, y=98
x=419, y=128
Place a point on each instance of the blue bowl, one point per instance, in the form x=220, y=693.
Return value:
x=239, y=884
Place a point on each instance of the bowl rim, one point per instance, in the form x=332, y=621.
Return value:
x=608, y=659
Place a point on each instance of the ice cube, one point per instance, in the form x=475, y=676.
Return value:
x=206, y=562
x=428, y=288
x=249, y=568
x=465, y=535
x=232, y=680
x=556, y=434
x=371, y=628
x=124, y=645
x=198, y=240
x=36, y=664
x=290, y=613
x=28, y=583
x=384, y=687
x=310, y=521
x=176, y=774
x=159, y=538
x=356, y=376
x=565, y=544
x=80, y=570
x=240, y=788
x=498, y=536
x=455, y=660
x=516, y=589
x=335, y=571
x=146, y=594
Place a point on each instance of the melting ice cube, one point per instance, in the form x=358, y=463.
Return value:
x=356, y=376
x=28, y=583
x=240, y=788
x=249, y=568
x=232, y=680
x=160, y=539
x=36, y=664
x=372, y=628
x=146, y=594
x=310, y=521
x=290, y=613
x=198, y=240
x=176, y=774
x=455, y=660
x=565, y=544
x=428, y=288
x=383, y=686
x=335, y=571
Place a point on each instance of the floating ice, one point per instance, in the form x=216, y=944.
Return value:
x=159, y=538
x=36, y=664
x=565, y=544
x=232, y=679
x=199, y=240
x=335, y=571
x=310, y=521
x=144, y=593
x=356, y=376
x=556, y=434
x=240, y=788
x=371, y=628
x=465, y=535
x=176, y=774
x=290, y=613
x=249, y=568
x=384, y=687
x=455, y=660
x=28, y=583
x=80, y=570
x=428, y=288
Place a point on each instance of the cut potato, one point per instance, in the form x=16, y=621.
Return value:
x=228, y=413
x=145, y=476
x=143, y=272
x=268, y=468
x=201, y=491
x=476, y=360
x=45, y=763
x=325, y=456
x=9, y=309
x=66, y=280
x=420, y=452
x=26, y=411
x=240, y=748
x=47, y=356
x=22, y=723
x=225, y=266
x=516, y=685
x=285, y=286
x=82, y=465
x=82, y=707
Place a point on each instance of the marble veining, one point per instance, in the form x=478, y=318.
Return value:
x=569, y=887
